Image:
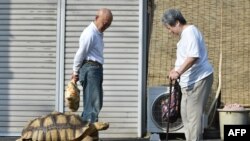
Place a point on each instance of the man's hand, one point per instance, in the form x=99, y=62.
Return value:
x=74, y=77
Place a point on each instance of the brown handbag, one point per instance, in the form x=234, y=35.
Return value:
x=72, y=96
x=171, y=106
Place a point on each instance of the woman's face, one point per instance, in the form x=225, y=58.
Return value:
x=173, y=29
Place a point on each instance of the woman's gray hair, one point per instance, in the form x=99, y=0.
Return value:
x=171, y=16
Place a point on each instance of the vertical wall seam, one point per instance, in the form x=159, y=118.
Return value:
x=142, y=66
x=60, y=56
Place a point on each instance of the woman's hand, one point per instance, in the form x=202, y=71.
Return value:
x=174, y=75
x=189, y=62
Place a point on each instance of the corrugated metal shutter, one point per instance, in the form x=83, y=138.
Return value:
x=121, y=60
x=27, y=61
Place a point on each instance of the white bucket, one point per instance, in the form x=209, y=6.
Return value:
x=228, y=117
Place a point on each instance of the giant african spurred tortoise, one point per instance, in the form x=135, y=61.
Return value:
x=58, y=126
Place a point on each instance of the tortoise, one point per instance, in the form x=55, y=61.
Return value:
x=58, y=126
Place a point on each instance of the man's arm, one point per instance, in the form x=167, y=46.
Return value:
x=84, y=45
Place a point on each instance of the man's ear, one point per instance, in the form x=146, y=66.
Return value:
x=96, y=17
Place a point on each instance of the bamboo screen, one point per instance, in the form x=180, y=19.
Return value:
x=225, y=25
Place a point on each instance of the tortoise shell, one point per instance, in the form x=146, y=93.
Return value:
x=57, y=126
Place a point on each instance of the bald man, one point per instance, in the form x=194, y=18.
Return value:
x=88, y=64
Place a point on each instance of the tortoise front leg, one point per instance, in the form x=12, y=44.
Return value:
x=91, y=134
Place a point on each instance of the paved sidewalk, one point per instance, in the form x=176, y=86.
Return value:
x=128, y=139
x=157, y=140
x=212, y=135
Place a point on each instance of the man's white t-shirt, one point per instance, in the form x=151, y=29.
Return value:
x=191, y=44
x=90, y=47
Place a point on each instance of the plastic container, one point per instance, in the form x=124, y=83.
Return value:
x=230, y=117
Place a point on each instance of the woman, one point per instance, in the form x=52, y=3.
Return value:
x=193, y=69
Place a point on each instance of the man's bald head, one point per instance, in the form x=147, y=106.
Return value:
x=104, y=12
x=104, y=18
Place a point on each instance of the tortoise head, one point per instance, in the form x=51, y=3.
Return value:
x=101, y=125
x=92, y=129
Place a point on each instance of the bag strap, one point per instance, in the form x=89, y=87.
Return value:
x=169, y=104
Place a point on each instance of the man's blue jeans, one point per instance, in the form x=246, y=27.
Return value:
x=91, y=78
